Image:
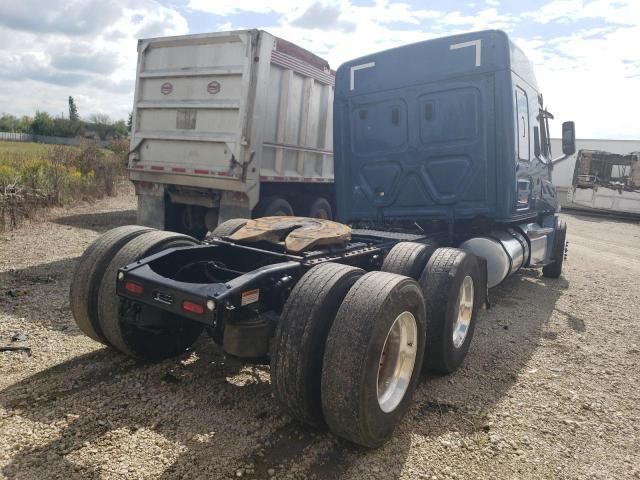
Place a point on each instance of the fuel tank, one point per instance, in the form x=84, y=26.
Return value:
x=506, y=252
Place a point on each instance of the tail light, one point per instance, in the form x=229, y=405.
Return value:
x=192, y=307
x=133, y=287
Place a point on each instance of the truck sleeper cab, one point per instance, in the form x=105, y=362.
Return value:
x=442, y=165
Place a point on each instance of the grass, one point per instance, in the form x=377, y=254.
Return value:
x=22, y=148
x=35, y=176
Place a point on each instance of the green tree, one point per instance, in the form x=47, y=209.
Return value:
x=9, y=123
x=130, y=122
x=73, y=110
x=42, y=124
x=120, y=129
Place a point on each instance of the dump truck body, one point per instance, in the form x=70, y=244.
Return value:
x=216, y=116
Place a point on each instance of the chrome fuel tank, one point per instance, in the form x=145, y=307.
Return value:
x=506, y=251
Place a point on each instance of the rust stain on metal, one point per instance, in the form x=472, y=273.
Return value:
x=296, y=233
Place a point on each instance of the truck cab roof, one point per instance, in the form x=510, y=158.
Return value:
x=429, y=130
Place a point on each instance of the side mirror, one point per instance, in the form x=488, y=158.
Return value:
x=568, y=138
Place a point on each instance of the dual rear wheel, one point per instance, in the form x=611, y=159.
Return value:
x=140, y=331
x=350, y=345
x=307, y=206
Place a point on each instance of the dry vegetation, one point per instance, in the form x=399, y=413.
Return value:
x=34, y=177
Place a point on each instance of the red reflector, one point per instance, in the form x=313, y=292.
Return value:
x=196, y=308
x=133, y=288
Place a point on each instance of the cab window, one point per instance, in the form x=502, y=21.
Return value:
x=522, y=108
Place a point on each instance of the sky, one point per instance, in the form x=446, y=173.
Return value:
x=586, y=53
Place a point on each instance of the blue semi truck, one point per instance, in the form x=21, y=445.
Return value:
x=443, y=190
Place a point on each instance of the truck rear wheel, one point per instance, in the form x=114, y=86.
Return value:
x=138, y=330
x=296, y=360
x=452, y=285
x=408, y=259
x=228, y=228
x=373, y=358
x=554, y=270
x=85, y=282
x=273, y=207
x=320, y=208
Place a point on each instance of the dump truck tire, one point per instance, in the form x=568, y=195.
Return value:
x=373, y=358
x=453, y=291
x=163, y=335
x=88, y=273
x=228, y=228
x=554, y=270
x=408, y=259
x=298, y=349
x=320, y=208
x=273, y=207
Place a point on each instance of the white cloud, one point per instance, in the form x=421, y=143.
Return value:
x=591, y=75
x=73, y=50
x=589, y=71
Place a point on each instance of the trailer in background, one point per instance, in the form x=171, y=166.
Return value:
x=606, y=183
x=228, y=125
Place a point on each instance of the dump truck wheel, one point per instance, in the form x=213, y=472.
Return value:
x=85, y=282
x=453, y=291
x=228, y=228
x=273, y=207
x=554, y=270
x=408, y=259
x=320, y=208
x=373, y=358
x=298, y=349
x=138, y=330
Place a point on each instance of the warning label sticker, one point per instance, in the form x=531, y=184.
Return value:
x=250, y=296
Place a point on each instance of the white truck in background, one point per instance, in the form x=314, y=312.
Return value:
x=605, y=182
x=230, y=124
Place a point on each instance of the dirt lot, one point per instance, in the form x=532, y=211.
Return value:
x=550, y=388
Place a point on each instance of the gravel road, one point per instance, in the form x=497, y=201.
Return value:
x=550, y=388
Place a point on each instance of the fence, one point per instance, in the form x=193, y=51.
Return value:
x=30, y=137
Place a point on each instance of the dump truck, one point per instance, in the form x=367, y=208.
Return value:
x=442, y=170
x=606, y=183
x=230, y=124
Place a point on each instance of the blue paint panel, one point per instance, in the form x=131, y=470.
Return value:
x=449, y=115
x=429, y=130
x=388, y=117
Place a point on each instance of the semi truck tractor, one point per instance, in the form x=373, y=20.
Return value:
x=230, y=124
x=442, y=170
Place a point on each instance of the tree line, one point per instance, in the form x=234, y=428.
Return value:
x=42, y=123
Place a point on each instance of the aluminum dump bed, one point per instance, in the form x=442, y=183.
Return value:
x=225, y=111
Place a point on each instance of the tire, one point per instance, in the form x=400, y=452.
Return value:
x=296, y=360
x=85, y=282
x=228, y=228
x=141, y=331
x=272, y=207
x=441, y=282
x=554, y=270
x=352, y=360
x=408, y=259
x=320, y=208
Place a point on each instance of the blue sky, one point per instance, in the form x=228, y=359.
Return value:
x=585, y=52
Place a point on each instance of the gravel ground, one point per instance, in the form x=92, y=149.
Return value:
x=550, y=388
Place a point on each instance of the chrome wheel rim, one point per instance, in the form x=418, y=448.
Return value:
x=397, y=361
x=464, y=312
